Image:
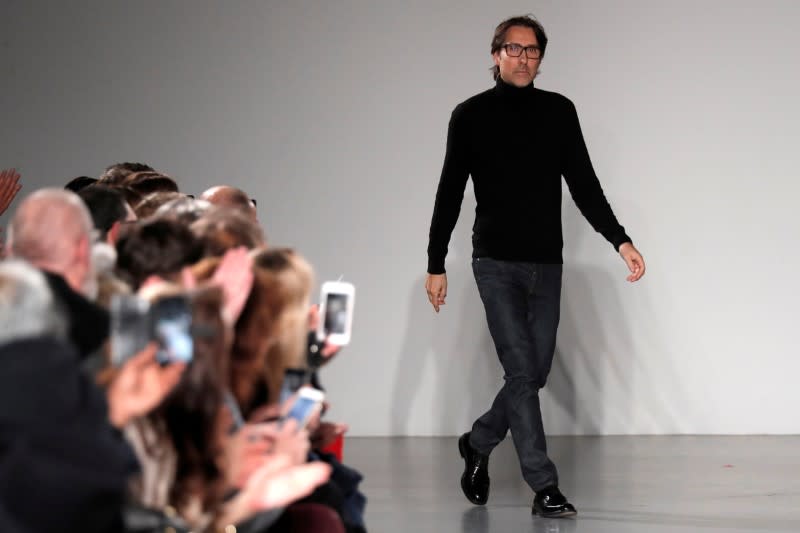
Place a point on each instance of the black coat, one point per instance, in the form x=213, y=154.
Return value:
x=63, y=467
x=89, y=324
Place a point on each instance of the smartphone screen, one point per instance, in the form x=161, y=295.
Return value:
x=301, y=410
x=172, y=328
x=336, y=314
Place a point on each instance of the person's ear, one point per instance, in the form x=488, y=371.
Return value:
x=81, y=264
x=82, y=251
x=113, y=233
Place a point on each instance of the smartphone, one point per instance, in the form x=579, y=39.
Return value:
x=135, y=323
x=337, y=299
x=307, y=402
x=130, y=327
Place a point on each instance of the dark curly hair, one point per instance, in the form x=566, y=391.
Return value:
x=159, y=246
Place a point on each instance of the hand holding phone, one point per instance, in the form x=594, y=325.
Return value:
x=135, y=322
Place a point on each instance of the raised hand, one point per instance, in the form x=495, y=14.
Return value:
x=9, y=187
x=235, y=275
x=140, y=385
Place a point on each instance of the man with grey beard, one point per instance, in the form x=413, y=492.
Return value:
x=52, y=230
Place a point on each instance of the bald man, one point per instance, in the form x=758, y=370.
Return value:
x=231, y=197
x=52, y=230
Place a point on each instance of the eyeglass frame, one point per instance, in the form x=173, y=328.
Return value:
x=523, y=49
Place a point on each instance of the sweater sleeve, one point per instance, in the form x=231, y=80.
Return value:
x=450, y=193
x=585, y=187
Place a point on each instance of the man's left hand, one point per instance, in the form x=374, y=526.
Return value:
x=633, y=259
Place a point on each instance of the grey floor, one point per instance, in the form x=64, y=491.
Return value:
x=618, y=484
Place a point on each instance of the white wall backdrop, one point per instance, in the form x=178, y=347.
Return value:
x=333, y=115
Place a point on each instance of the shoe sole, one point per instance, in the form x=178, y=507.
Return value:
x=562, y=514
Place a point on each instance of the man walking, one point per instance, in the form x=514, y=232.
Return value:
x=517, y=141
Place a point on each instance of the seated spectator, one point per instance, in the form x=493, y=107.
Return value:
x=182, y=444
x=52, y=230
x=57, y=444
x=155, y=247
x=178, y=444
x=288, y=350
x=108, y=209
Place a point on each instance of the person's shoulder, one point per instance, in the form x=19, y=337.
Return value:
x=554, y=98
x=475, y=102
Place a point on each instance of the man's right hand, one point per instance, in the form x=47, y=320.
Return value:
x=436, y=287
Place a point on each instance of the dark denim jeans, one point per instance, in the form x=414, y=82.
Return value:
x=522, y=303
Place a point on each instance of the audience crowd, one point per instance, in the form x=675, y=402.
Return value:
x=96, y=436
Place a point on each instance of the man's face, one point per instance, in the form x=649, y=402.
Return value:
x=517, y=71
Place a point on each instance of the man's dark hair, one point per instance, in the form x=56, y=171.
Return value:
x=159, y=246
x=81, y=182
x=132, y=197
x=150, y=182
x=151, y=202
x=525, y=21
x=106, y=205
x=116, y=173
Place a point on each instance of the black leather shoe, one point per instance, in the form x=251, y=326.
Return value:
x=475, y=480
x=550, y=503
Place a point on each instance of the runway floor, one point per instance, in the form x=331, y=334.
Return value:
x=618, y=484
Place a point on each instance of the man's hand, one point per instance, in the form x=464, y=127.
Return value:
x=9, y=187
x=141, y=384
x=436, y=287
x=633, y=259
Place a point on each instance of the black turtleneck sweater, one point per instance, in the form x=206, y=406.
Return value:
x=516, y=143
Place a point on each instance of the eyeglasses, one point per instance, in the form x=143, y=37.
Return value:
x=253, y=202
x=515, y=50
